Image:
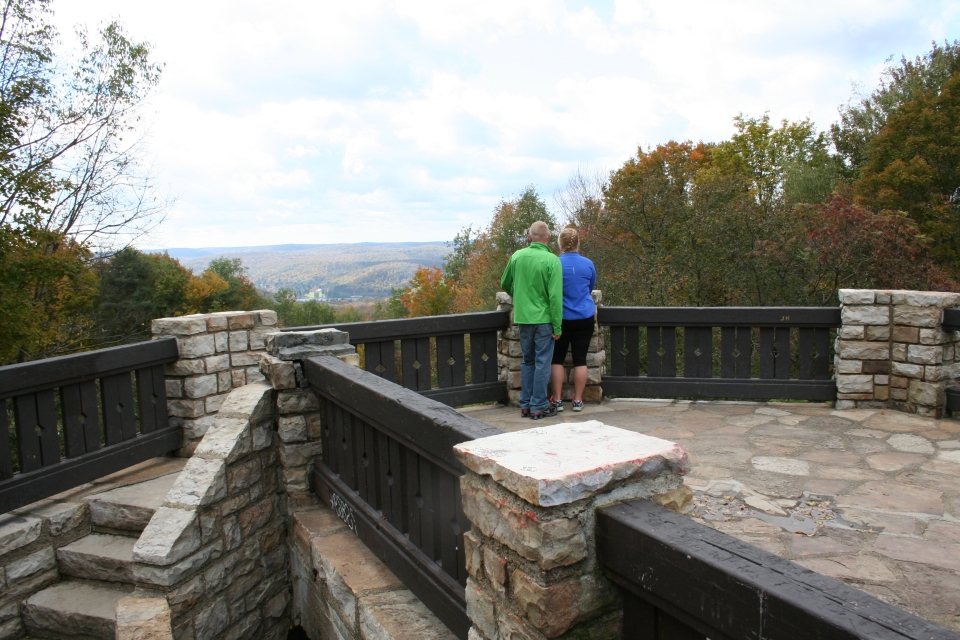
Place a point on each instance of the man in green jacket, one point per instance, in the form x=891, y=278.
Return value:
x=534, y=278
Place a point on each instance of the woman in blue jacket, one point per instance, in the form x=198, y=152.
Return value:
x=579, y=315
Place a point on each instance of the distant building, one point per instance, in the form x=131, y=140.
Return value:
x=315, y=295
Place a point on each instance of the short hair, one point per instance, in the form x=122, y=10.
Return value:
x=539, y=229
x=569, y=239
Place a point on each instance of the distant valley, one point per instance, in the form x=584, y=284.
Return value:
x=367, y=269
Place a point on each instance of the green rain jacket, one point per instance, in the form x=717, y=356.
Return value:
x=534, y=278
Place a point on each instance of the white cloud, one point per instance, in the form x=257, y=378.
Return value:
x=404, y=120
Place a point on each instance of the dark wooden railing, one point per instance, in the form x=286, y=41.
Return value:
x=685, y=581
x=78, y=418
x=389, y=472
x=433, y=354
x=950, y=320
x=762, y=352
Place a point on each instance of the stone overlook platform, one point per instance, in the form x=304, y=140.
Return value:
x=870, y=497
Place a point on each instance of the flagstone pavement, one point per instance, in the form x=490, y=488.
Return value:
x=870, y=497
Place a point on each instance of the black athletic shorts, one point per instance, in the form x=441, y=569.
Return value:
x=576, y=335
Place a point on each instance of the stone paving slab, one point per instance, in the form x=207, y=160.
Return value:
x=99, y=557
x=874, y=494
x=145, y=471
x=130, y=507
x=74, y=609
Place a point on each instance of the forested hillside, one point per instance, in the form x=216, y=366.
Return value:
x=368, y=269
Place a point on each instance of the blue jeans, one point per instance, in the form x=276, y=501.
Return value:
x=536, y=343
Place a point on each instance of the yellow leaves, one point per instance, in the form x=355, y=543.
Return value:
x=201, y=289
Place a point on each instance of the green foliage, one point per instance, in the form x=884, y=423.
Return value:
x=240, y=294
x=306, y=314
x=137, y=287
x=862, y=119
x=749, y=221
x=479, y=257
x=46, y=293
x=70, y=185
x=783, y=165
x=393, y=308
x=455, y=262
x=914, y=167
x=508, y=229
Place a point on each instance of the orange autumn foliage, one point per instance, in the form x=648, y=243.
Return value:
x=428, y=294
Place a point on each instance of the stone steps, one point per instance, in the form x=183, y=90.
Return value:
x=99, y=557
x=74, y=609
x=129, y=508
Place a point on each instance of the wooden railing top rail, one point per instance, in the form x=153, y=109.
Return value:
x=721, y=586
x=721, y=316
x=39, y=375
x=426, y=426
x=423, y=327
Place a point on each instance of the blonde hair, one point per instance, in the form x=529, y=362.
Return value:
x=569, y=240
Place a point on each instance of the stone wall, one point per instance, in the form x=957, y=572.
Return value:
x=215, y=550
x=29, y=538
x=342, y=590
x=218, y=353
x=531, y=498
x=891, y=350
x=509, y=357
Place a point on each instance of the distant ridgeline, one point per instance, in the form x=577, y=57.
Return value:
x=341, y=270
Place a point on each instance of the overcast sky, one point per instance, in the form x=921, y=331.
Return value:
x=317, y=122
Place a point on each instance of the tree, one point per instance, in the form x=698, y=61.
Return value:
x=394, y=307
x=786, y=165
x=201, y=291
x=45, y=299
x=68, y=149
x=849, y=246
x=914, y=166
x=862, y=119
x=135, y=288
x=479, y=258
x=71, y=183
x=240, y=293
x=428, y=294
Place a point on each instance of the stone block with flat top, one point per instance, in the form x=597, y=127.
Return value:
x=298, y=345
x=560, y=464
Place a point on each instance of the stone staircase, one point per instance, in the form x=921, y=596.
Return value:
x=97, y=570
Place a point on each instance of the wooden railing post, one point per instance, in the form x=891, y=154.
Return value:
x=531, y=497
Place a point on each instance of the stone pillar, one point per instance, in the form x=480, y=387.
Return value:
x=218, y=352
x=531, y=497
x=508, y=350
x=891, y=351
x=509, y=357
x=298, y=408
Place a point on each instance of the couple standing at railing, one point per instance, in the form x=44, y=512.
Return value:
x=554, y=310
